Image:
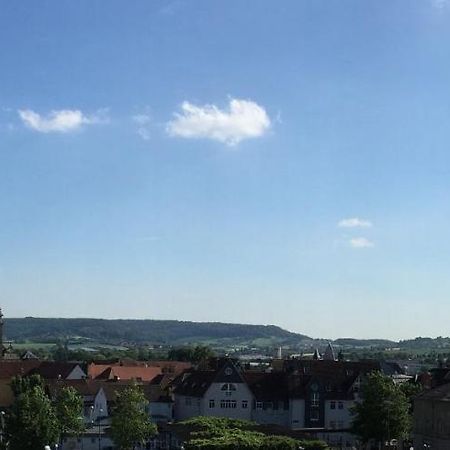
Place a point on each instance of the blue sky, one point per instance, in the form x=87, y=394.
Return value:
x=260, y=162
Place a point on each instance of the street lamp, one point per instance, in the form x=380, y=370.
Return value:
x=99, y=423
x=2, y=424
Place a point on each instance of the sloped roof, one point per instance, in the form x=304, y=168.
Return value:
x=129, y=373
x=53, y=369
x=193, y=383
x=12, y=368
x=89, y=387
x=440, y=393
x=268, y=386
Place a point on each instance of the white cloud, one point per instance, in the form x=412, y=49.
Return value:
x=243, y=119
x=143, y=122
x=361, y=242
x=354, y=222
x=440, y=4
x=60, y=121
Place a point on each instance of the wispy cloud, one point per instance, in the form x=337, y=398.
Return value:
x=60, y=121
x=361, y=242
x=354, y=222
x=440, y=4
x=143, y=122
x=243, y=119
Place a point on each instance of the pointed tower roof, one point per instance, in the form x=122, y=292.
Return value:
x=329, y=354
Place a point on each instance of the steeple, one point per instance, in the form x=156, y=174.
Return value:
x=329, y=354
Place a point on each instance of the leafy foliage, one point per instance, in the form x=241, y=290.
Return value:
x=191, y=354
x=69, y=409
x=383, y=413
x=32, y=422
x=218, y=433
x=130, y=421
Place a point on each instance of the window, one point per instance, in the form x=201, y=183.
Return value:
x=315, y=399
x=259, y=405
x=227, y=404
x=341, y=405
x=188, y=401
x=332, y=405
x=228, y=388
x=212, y=404
x=314, y=414
x=244, y=404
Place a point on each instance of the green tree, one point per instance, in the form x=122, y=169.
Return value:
x=20, y=384
x=383, y=413
x=32, y=422
x=219, y=433
x=69, y=411
x=191, y=354
x=130, y=419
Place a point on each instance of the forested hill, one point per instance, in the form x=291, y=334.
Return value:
x=149, y=331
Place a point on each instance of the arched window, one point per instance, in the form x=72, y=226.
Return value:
x=228, y=388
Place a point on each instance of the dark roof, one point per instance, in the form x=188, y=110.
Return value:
x=441, y=393
x=193, y=383
x=52, y=370
x=89, y=387
x=12, y=368
x=268, y=386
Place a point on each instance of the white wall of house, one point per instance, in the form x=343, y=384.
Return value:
x=76, y=374
x=296, y=413
x=338, y=414
x=100, y=406
x=235, y=403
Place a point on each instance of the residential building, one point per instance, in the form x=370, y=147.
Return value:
x=317, y=396
x=431, y=425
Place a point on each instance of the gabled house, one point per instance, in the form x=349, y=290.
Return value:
x=315, y=396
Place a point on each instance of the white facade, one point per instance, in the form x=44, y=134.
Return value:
x=338, y=414
x=77, y=373
x=232, y=400
x=297, y=414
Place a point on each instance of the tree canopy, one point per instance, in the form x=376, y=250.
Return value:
x=130, y=419
x=383, y=413
x=213, y=433
x=32, y=421
x=35, y=421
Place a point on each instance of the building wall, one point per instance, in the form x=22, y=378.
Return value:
x=76, y=374
x=186, y=407
x=221, y=401
x=431, y=424
x=161, y=411
x=340, y=417
x=296, y=413
x=276, y=412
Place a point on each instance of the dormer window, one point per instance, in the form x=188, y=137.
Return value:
x=315, y=399
x=228, y=388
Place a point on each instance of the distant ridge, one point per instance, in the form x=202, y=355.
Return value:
x=149, y=331
x=177, y=332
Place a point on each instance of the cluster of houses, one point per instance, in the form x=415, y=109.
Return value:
x=310, y=396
